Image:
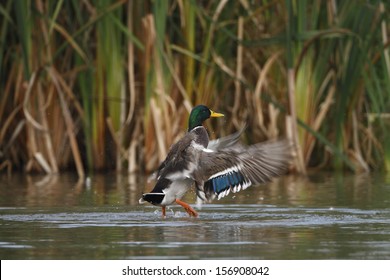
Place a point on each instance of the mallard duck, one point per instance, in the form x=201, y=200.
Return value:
x=216, y=167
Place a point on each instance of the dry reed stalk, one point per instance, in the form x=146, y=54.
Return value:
x=387, y=62
x=237, y=82
x=187, y=17
x=178, y=83
x=66, y=154
x=15, y=133
x=293, y=123
x=180, y=5
x=165, y=120
x=159, y=134
x=44, y=31
x=221, y=63
x=321, y=116
x=202, y=84
x=159, y=104
x=120, y=136
x=7, y=123
x=253, y=61
x=46, y=132
x=171, y=115
x=67, y=89
x=117, y=137
x=20, y=85
x=372, y=140
x=225, y=68
x=272, y=128
x=42, y=162
x=369, y=146
x=150, y=148
x=261, y=81
x=384, y=37
x=114, y=136
x=130, y=66
x=57, y=125
x=132, y=160
x=206, y=91
x=71, y=41
x=7, y=164
x=149, y=42
x=70, y=128
x=31, y=146
x=26, y=102
x=357, y=151
x=33, y=125
x=137, y=139
x=251, y=14
x=149, y=38
x=6, y=94
x=290, y=134
x=216, y=15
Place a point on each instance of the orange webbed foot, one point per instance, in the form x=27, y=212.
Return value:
x=188, y=208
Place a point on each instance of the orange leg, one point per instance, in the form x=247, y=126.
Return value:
x=188, y=208
x=163, y=212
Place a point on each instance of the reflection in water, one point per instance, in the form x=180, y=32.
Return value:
x=68, y=190
x=324, y=216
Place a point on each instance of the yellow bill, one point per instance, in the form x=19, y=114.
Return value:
x=215, y=114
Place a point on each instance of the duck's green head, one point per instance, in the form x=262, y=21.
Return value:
x=199, y=114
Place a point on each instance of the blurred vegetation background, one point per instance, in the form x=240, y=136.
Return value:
x=98, y=85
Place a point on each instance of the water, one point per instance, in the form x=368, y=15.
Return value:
x=323, y=216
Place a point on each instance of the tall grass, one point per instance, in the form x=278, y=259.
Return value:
x=101, y=85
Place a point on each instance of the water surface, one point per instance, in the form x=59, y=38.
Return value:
x=322, y=216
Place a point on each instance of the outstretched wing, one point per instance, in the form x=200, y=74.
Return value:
x=178, y=150
x=228, y=171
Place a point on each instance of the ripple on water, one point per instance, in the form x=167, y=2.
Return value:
x=244, y=215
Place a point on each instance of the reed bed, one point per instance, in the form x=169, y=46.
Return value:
x=103, y=85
